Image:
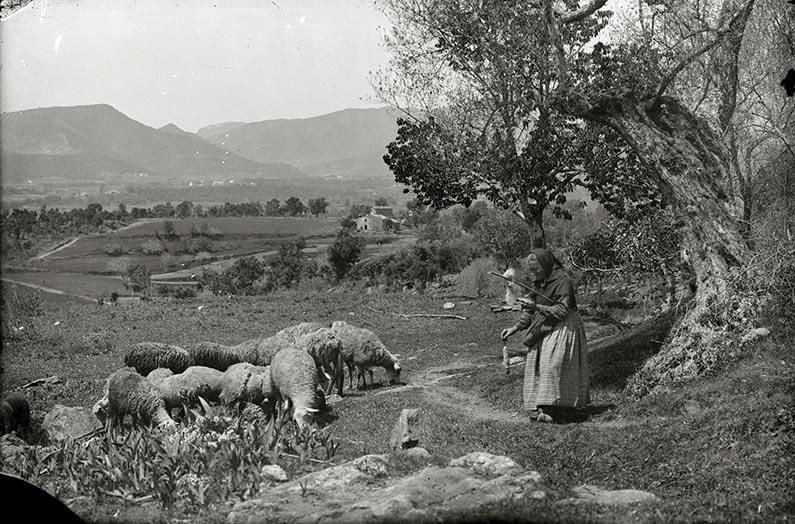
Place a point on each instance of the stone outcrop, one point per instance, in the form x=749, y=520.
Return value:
x=362, y=491
x=65, y=422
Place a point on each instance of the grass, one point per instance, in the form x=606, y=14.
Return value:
x=717, y=449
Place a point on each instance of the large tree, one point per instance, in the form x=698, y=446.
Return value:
x=640, y=88
x=479, y=92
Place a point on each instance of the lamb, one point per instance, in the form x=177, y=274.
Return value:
x=185, y=388
x=294, y=379
x=213, y=355
x=363, y=350
x=128, y=393
x=246, y=382
x=145, y=357
x=326, y=350
x=15, y=415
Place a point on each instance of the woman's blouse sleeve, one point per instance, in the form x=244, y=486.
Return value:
x=558, y=310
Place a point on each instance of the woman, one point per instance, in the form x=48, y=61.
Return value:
x=556, y=372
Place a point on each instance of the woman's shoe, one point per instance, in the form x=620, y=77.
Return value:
x=543, y=417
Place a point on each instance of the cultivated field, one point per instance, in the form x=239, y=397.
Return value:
x=83, y=268
x=717, y=450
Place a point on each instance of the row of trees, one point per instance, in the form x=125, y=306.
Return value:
x=20, y=226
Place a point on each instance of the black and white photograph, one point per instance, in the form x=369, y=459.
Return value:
x=272, y=261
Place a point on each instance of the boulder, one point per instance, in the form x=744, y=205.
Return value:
x=401, y=436
x=66, y=422
x=487, y=464
x=417, y=453
x=755, y=334
x=274, y=472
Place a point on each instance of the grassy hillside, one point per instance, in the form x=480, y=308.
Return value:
x=718, y=449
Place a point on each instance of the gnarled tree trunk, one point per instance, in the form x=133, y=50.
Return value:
x=693, y=167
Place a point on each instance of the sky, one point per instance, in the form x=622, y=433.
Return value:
x=193, y=62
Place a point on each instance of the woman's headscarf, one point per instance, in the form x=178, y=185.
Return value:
x=555, y=282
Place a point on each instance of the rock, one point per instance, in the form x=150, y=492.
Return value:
x=430, y=495
x=333, y=399
x=487, y=464
x=373, y=465
x=274, y=472
x=326, y=480
x=65, y=422
x=621, y=497
x=755, y=334
x=416, y=453
x=401, y=437
x=448, y=305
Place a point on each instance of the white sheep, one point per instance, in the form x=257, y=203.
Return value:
x=145, y=357
x=184, y=389
x=128, y=393
x=304, y=328
x=246, y=382
x=294, y=379
x=326, y=350
x=363, y=350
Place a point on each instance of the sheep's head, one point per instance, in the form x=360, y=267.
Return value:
x=393, y=373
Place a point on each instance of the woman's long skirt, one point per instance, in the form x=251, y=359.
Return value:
x=556, y=369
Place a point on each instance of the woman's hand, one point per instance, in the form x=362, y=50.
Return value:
x=527, y=303
x=507, y=332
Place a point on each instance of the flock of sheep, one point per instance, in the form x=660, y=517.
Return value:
x=296, y=368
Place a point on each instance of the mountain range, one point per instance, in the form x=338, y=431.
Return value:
x=348, y=143
x=97, y=142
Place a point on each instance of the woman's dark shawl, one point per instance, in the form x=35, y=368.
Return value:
x=556, y=288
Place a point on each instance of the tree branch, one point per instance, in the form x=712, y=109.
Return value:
x=584, y=12
x=741, y=16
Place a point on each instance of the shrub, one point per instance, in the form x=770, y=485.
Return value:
x=287, y=267
x=139, y=279
x=415, y=266
x=115, y=249
x=239, y=279
x=152, y=247
x=475, y=280
x=344, y=252
x=120, y=265
x=183, y=292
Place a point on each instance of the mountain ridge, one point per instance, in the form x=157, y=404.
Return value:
x=111, y=145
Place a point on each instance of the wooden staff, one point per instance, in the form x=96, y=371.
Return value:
x=522, y=285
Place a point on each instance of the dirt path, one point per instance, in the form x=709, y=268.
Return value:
x=432, y=382
x=58, y=248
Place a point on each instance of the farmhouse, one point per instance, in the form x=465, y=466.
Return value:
x=379, y=220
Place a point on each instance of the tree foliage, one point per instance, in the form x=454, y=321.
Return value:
x=344, y=252
x=495, y=130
